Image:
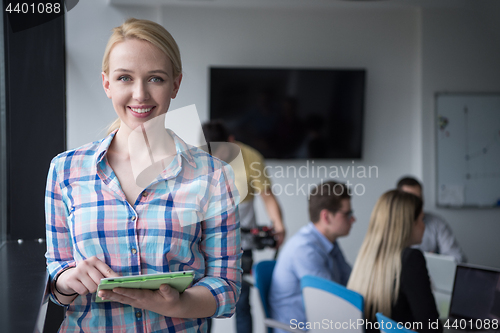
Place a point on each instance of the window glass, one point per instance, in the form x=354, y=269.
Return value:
x=3, y=143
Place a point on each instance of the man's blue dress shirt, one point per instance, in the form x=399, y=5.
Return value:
x=308, y=252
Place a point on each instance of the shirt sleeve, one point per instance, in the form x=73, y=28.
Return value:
x=221, y=246
x=447, y=243
x=416, y=286
x=59, y=253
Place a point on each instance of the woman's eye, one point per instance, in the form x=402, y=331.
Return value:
x=156, y=79
x=124, y=78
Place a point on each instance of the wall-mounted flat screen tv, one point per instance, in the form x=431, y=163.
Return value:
x=292, y=113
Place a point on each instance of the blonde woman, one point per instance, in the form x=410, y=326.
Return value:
x=102, y=223
x=391, y=276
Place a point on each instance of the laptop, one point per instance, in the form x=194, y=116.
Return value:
x=475, y=300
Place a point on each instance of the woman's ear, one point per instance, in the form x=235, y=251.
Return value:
x=177, y=84
x=105, y=84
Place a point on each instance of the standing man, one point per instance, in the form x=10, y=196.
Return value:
x=258, y=184
x=438, y=237
x=313, y=250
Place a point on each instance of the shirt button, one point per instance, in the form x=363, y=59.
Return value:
x=134, y=218
x=134, y=251
x=138, y=314
x=144, y=194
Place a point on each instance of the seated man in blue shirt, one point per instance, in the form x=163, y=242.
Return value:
x=313, y=250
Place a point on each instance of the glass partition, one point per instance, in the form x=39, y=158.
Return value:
x=3, y=143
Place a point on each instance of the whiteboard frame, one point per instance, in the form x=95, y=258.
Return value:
x=436, y=155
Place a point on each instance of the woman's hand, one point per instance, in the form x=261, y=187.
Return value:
x=165, y=300
x=82, y=279
x=194, y=302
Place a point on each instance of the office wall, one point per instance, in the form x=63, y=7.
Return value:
x=460, y=52
x=383, y=42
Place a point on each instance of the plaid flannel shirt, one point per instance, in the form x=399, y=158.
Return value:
x=186, y=219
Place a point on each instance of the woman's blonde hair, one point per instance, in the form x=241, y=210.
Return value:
x=144, y=30
x=377, y=270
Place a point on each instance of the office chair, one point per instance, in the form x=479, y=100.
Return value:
x=387, y=325
x=263, y=273
x=325, y=299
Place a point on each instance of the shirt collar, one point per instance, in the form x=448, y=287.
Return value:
x=325, y=243
x=104, y=146
x=182, y=148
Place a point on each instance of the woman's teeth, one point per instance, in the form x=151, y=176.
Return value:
x=141, y=110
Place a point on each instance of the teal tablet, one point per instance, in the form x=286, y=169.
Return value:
x=177, y=280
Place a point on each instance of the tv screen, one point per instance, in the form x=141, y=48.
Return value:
x=292, y=113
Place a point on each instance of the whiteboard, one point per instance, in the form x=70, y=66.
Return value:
x=468, y=149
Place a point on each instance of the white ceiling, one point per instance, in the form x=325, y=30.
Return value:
x=297, y=3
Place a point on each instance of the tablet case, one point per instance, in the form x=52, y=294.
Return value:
x=178, y=280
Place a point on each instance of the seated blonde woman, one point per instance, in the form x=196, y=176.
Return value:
x=391, y=276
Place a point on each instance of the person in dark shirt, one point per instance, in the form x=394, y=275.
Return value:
x=392, y=276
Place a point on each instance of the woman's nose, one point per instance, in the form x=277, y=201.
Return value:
x=140, y=91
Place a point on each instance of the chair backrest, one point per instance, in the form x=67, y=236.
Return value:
x=263, y=273
x=387, y=325
x=326, y=299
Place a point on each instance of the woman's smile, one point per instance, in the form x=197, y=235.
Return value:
x=141, y=111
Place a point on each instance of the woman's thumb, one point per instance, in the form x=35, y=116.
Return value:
x=165, y=289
